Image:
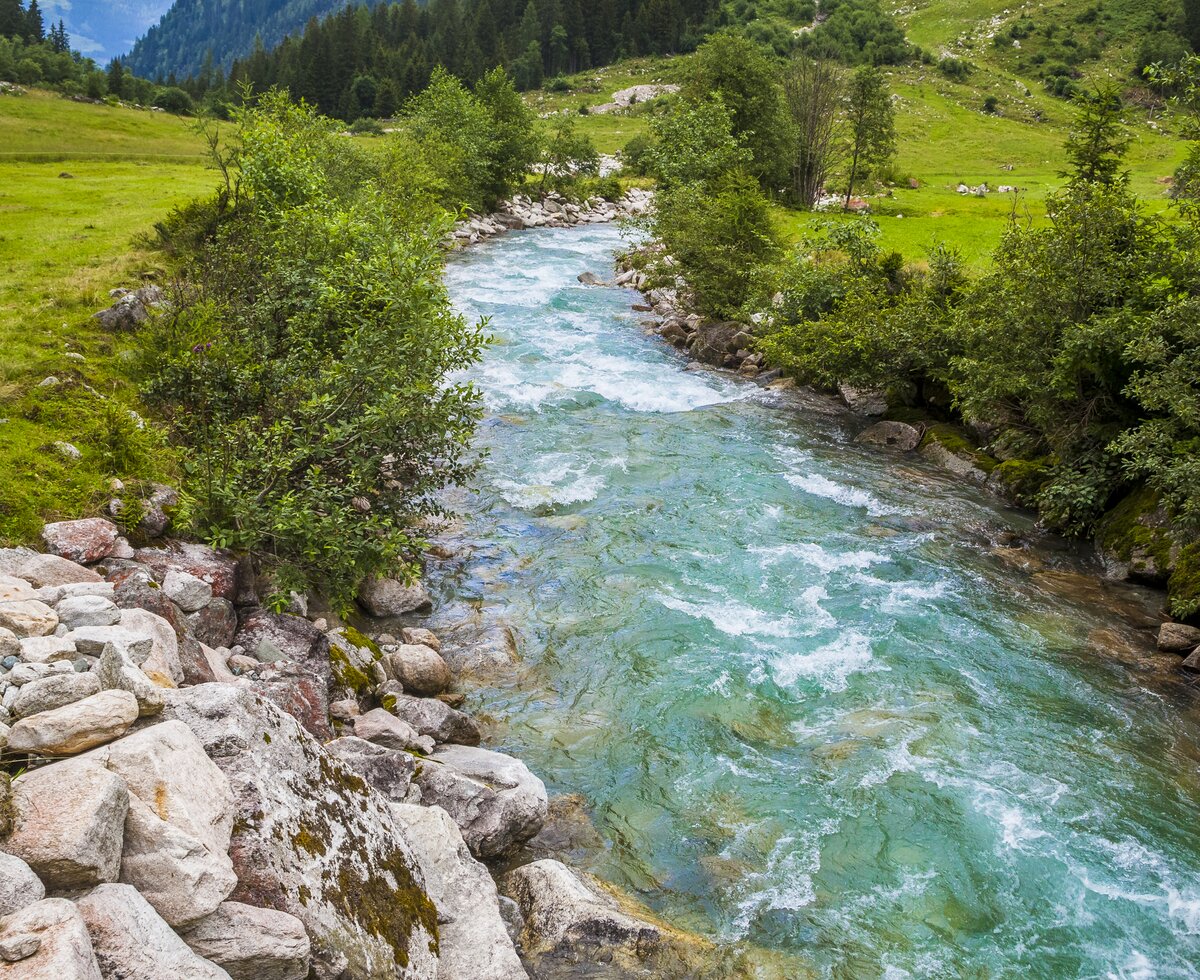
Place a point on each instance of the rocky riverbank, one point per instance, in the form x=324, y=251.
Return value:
x=1133, y=543
x=552, y=211
x=207, y=788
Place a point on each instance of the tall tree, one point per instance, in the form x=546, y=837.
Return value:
x=35, y=26
x=870, y=124
x=116, y=78
x=12, y=18
x=813, y=89
x=1098, y=139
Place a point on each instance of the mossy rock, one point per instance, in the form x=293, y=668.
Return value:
x=1183, y=587
x=1134, y=539
x=1020, y=480
x=346, y=667
x=951, y=448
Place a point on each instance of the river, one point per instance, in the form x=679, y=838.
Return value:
x=819, y=700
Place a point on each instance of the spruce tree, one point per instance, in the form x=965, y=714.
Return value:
x=12, y=18
x=35, y=27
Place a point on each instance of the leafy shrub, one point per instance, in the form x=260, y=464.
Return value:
x=306, y=366
x=991, y=104
x=175, y=100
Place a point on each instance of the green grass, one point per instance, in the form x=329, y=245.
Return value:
x=64, y=243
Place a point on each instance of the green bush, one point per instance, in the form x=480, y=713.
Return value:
x=306, y=366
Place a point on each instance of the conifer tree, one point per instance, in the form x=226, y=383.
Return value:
x=12, y=18
x=35, y=27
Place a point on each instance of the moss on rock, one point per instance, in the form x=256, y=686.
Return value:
x=1137, y=533
x=1183, y=587
x=951, y=447
x=1020, y=480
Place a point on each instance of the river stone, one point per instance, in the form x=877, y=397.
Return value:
x=416, y=635
x=44, y=649
x=10, y=644
x=473, y=942
x=92, y=640
x=28, y=617
x=87, y=610
x=388, y=770
x=1178, y=638
x=313, y=839
x=19, y=886
x=218, y=568
x=64, y=949
x=54, y=691
x=891, y=435
x=133, y=943
x=186, y=590
x=496, y=801
x=75, y=727
x=84, y=541
x=70, y=820
x=420, y=669
x=433, y=718
x=252, y=943
x=216, y=624
x=390, y=597
x=13, y=589
x=568, y=920
x=163, y=664
x=116, y=672
x=182, y=878
x=166, y=767
x=384, y=728
x=41, y=571
x=864, y=401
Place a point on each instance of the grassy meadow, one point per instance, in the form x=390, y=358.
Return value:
x=79, y=184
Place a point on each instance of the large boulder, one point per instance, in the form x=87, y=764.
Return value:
x=300, y=679
x=70, y=824
x=496, y=801
x=42, y=571
x=864, y=401
x=162, y=664
x=252, y=943
x=54, y=938
x=1178, y=638
x=717, y=342
x=390, y=771
x=178, y=875
x=75, y=727
x=383, y=728
x=84, y=541
x=434, y=718
x=54, y=691
x=569, y=921
x=117, y=672
x=133, y=943
x=215, y=625
x=219, y=569
x=19, y=886
x=899, y=436
x=87, y=610
x=138, y=594
x=384, y=597
x=419, y=668
x=474, y=943
x=313, y=839
x=28, y=617
x=167, y=768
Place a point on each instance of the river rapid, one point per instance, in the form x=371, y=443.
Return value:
x=820, y=700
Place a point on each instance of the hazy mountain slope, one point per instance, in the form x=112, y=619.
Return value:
x=103, y=29
x=191, y=28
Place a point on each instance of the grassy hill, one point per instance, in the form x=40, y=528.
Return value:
x=78, y=184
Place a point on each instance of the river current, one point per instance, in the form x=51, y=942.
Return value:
x=819, y=700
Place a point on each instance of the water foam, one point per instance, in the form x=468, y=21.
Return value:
x=817, y=557
x=817, y=485
x=830, y=665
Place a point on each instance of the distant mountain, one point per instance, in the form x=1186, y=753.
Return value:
x=179, y=43
x=103, y=29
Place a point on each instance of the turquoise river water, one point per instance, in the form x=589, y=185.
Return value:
x=820, y=701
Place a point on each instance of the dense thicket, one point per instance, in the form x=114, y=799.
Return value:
x=305, y=363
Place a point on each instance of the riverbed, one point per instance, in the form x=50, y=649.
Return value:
x=819, y=700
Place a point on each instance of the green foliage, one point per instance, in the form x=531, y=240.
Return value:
x=1098, y=140
x=567, y=155
x=738, y=71
x=719, y=234
x=870, y=126
x=694, y=142
x=307, y=365
x=857, y=32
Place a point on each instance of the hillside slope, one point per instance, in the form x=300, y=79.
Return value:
x=180, y=43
